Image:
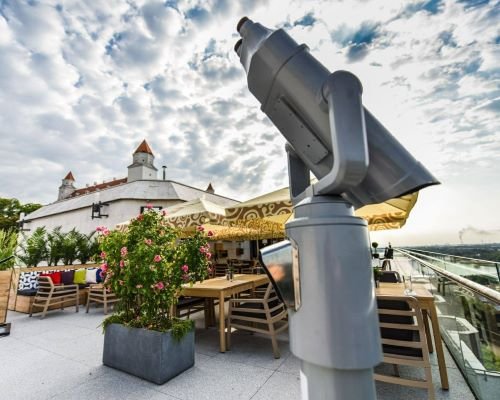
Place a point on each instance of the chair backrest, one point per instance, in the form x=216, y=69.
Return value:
x=45, y=284
x=390, y=277
x=402, y=326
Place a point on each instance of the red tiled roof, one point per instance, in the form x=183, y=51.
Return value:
x=69, y=176
x=100, y=186
x=144, y=148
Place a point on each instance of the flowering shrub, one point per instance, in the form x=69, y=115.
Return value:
x=146, y=265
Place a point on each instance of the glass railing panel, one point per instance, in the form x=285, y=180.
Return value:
x=470, y=327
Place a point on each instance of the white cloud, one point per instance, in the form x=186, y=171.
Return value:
x=82, y=83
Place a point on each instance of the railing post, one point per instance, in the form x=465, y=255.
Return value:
x=498, y=272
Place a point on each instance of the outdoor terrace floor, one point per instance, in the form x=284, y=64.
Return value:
x=60, y=357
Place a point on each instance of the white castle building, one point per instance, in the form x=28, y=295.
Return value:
x=110, y=203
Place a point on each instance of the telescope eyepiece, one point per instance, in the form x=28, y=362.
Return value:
x=240, y=24
x=238, y=45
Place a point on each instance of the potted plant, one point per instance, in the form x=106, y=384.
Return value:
x=146, y=266
x=377, y=273
x=375, y=253
x=8, y=243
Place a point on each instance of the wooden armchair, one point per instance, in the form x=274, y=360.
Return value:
x=99, y=294
x=265, y=315
x=403, y=340
x=49, y=294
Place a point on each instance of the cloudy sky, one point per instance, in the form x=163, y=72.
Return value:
x=83, y=82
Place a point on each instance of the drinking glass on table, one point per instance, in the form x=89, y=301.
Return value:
x=408, y=284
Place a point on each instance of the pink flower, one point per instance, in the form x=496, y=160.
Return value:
x=100, y=228
x=123, y=251
x=157, y=258
x=163, y=213
x=160, y=286
x=148, y=241
x=122, y=263
x=203, y=250
x=138, y=286
x=149, y=206
x=208, y=255
x=103, y=254
x=140, y=217
x=185, y=277
x=200, y=228
x=105, y=231
x=210, y=233
x=104, y=267
x=185, y=268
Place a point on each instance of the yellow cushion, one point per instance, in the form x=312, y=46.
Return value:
x=80, y=276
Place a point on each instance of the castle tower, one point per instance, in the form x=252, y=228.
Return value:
x=142, y=167
x=66, y=189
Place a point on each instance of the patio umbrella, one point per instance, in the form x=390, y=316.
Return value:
x=194, y=213
x=277, y=207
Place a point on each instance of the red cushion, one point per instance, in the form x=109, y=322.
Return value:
x=55, y=276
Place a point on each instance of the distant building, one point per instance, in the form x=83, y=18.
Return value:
x=116, y=201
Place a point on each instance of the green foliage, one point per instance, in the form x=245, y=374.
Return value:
x=10, y=210
x=146, y=266
x=69, y=246
x=8, y=244
x=34, y=248
x=377, y=273
x=87, y=247
x=57, y=246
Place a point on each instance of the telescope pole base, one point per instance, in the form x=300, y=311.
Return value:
x=320, y=383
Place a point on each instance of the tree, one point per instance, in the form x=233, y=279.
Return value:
x=10, y=210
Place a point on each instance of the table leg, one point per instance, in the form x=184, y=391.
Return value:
x=425, y=316
x=439, y=349
x=222, y=324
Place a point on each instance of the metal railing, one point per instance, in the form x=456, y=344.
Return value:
x=468, y=314
x=477, y=261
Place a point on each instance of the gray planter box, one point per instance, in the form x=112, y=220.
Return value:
x=154, y=356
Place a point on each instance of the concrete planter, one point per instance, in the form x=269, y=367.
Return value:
x=151, y=355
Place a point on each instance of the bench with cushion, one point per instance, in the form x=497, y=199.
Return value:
x=25, y=283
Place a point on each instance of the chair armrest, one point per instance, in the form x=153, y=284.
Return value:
x=96, y=286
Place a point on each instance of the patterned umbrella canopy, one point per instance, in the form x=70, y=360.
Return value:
x=277, y=207
x=264, y=217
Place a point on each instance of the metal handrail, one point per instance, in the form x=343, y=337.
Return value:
x=451, y=255
x=490, y=294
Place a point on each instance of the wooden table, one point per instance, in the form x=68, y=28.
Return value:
x=221, y=288
x=426, y=301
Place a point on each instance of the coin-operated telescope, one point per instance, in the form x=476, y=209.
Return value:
x=323, y=274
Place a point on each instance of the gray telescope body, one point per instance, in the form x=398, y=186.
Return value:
x=323, y=273
x=293, y=88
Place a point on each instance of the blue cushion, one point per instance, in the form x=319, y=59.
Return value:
x=98, y=276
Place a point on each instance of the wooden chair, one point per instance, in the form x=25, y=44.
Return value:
x=99, y=294
x=49, y=294
x=390, y=276
x=403, y=340
x=265, y=315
